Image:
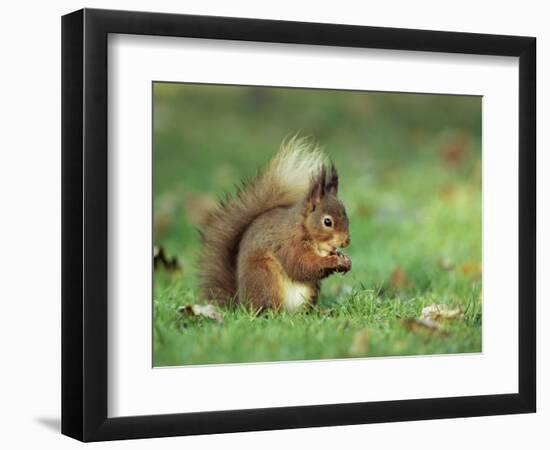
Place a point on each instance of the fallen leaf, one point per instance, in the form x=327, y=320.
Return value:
x=160, y=259
x=448, y=192
x=424, y=326
x=441, y=312
x=209, y=311
x=399, y=279
x=471, y=269
x=455, y=149
x=360, y=343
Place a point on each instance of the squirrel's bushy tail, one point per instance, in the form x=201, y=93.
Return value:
x=284, y=181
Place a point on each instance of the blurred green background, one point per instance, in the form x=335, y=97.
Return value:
x=410, y=177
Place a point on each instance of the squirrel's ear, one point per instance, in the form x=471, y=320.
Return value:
x=332, y=181
x=317, y=190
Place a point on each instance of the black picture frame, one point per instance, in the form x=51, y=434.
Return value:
x=84, y=224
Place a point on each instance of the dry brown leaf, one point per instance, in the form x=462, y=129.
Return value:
x=471, y=269
x=455, y=150
x=399, y=279
x=424, y=326
x=209, y=311
x=161, y=260
x=441, y=313
x=360, y=343
x=448, y=192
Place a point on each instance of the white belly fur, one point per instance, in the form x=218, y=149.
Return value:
x=295, y=295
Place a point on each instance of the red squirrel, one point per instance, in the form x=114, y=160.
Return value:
x=270, y=246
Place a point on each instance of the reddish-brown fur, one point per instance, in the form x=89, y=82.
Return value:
x=274, y=236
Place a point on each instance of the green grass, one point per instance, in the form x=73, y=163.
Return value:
x=410, y=178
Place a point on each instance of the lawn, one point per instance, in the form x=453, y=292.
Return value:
x=410, y=177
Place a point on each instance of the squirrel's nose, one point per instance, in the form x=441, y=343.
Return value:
x=346, y=242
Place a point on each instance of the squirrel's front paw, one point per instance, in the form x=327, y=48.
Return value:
x=344, y=263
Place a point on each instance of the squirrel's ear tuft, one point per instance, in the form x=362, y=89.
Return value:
x=317, y=190
x=332, y=181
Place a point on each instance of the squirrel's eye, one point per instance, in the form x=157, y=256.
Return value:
x=327, y=222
